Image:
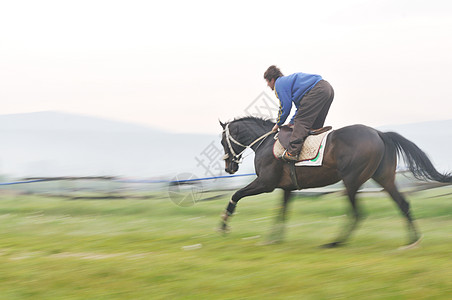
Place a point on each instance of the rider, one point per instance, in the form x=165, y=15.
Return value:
x=312, y=97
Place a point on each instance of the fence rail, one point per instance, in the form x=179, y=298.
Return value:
x=116, y=179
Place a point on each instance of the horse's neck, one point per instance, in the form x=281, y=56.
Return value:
x=249, y=133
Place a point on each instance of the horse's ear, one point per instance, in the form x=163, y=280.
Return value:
x=222, y=124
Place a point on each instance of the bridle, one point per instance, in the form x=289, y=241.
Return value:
x=230, y=140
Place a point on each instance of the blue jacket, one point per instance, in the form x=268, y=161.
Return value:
x=290, y=89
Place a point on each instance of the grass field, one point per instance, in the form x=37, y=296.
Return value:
x=51, y=248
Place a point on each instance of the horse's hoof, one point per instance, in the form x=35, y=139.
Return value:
x=413, y=245
x=331, y=245
x=223, y=232
x=224, y=229
x=272, y=242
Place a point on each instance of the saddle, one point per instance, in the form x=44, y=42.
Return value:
x=286, y=131
x=312, y=150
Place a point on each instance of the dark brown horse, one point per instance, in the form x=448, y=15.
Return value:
x=353, y=154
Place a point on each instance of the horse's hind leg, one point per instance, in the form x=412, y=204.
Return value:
x=354, y=177
x=353, y=221
x=403, y=205
x=385, y=176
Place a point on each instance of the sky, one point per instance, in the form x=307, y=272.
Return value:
x=181, y=66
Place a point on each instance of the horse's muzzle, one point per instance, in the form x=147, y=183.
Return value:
x=230, y=171
x=231, y=168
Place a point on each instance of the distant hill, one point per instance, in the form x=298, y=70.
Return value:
x=57, y=121
x=61, y=144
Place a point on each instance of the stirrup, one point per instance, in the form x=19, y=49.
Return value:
x=287, y=154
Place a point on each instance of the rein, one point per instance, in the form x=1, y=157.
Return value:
x=229, y=139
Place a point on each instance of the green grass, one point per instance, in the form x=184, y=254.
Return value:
x=51, y=248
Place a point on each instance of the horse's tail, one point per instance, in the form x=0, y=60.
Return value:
x=418, y=162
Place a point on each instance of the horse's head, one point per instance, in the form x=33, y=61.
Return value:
x=240, y=135
x=231, y=159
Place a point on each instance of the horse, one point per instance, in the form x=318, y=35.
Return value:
x=353, y=154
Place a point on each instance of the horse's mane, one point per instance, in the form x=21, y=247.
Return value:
x=259, y=120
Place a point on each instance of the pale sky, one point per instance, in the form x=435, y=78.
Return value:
x=182, y=65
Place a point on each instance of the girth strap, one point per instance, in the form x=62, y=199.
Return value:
x=293, y=175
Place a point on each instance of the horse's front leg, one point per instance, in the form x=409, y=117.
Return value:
x=277, y=232
x=254, y=188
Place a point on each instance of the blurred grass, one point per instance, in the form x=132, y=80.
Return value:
x=51, y=248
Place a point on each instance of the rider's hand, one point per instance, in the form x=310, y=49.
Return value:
x=275, y=128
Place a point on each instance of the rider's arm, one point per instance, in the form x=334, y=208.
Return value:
x=284, y=94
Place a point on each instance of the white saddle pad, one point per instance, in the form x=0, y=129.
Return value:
x=311, y=152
